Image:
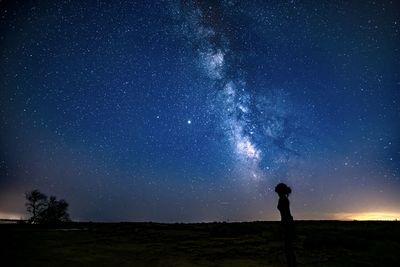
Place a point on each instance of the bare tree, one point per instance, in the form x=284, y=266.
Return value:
x=55, y=211
x=46, y=210
x=35, y=204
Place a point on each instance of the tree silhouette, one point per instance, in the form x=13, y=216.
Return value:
x=55, y=211
x=46, y=210
x=35, y=203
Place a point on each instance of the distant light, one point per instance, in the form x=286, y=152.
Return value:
x=189, y=122
x=368, y=216
x=10, y=216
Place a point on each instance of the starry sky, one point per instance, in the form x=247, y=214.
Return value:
x=192, y=111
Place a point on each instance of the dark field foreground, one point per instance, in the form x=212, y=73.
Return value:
x=319, y=243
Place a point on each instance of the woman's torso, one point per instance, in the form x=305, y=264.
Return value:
x=283, y=207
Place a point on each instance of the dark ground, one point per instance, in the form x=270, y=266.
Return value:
x=319, y=243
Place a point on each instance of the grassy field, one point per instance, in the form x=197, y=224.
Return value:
x=319, y=243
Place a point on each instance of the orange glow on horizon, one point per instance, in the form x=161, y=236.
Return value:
x=10, y=216
x=368, y=216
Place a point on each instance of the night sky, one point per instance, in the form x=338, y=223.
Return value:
x=193, y=111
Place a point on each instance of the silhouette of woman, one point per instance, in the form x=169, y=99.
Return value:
x=287, y=222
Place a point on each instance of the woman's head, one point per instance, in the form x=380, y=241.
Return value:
x=283, y=189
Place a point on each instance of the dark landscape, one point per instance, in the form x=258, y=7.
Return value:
x=319, y=243
x=200, y=133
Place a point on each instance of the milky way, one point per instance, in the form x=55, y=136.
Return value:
x=250, y=122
